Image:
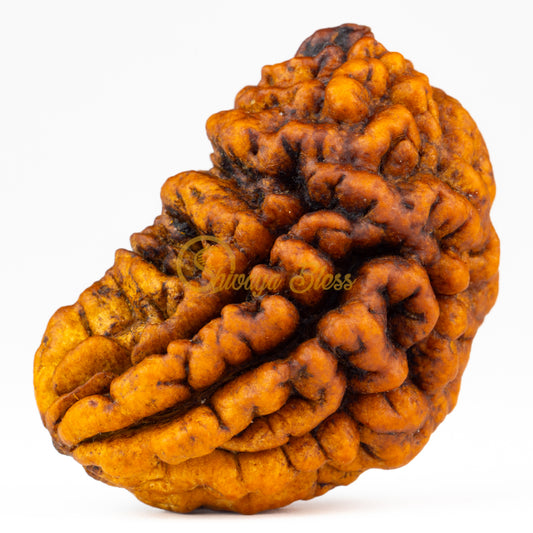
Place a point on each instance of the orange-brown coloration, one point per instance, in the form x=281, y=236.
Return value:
x=354, y=198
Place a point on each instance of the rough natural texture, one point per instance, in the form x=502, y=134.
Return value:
x=353, y=199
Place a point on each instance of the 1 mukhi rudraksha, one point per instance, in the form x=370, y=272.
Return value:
x=351, y=200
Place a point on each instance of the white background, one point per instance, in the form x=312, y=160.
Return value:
x=101, y=101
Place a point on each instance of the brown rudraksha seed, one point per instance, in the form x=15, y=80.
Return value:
x=298, y=314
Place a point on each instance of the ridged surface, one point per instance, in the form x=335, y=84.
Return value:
x=342, y=165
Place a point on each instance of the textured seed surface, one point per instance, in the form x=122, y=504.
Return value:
x=348, y=206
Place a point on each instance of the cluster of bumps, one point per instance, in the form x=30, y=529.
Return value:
x=342, y=160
